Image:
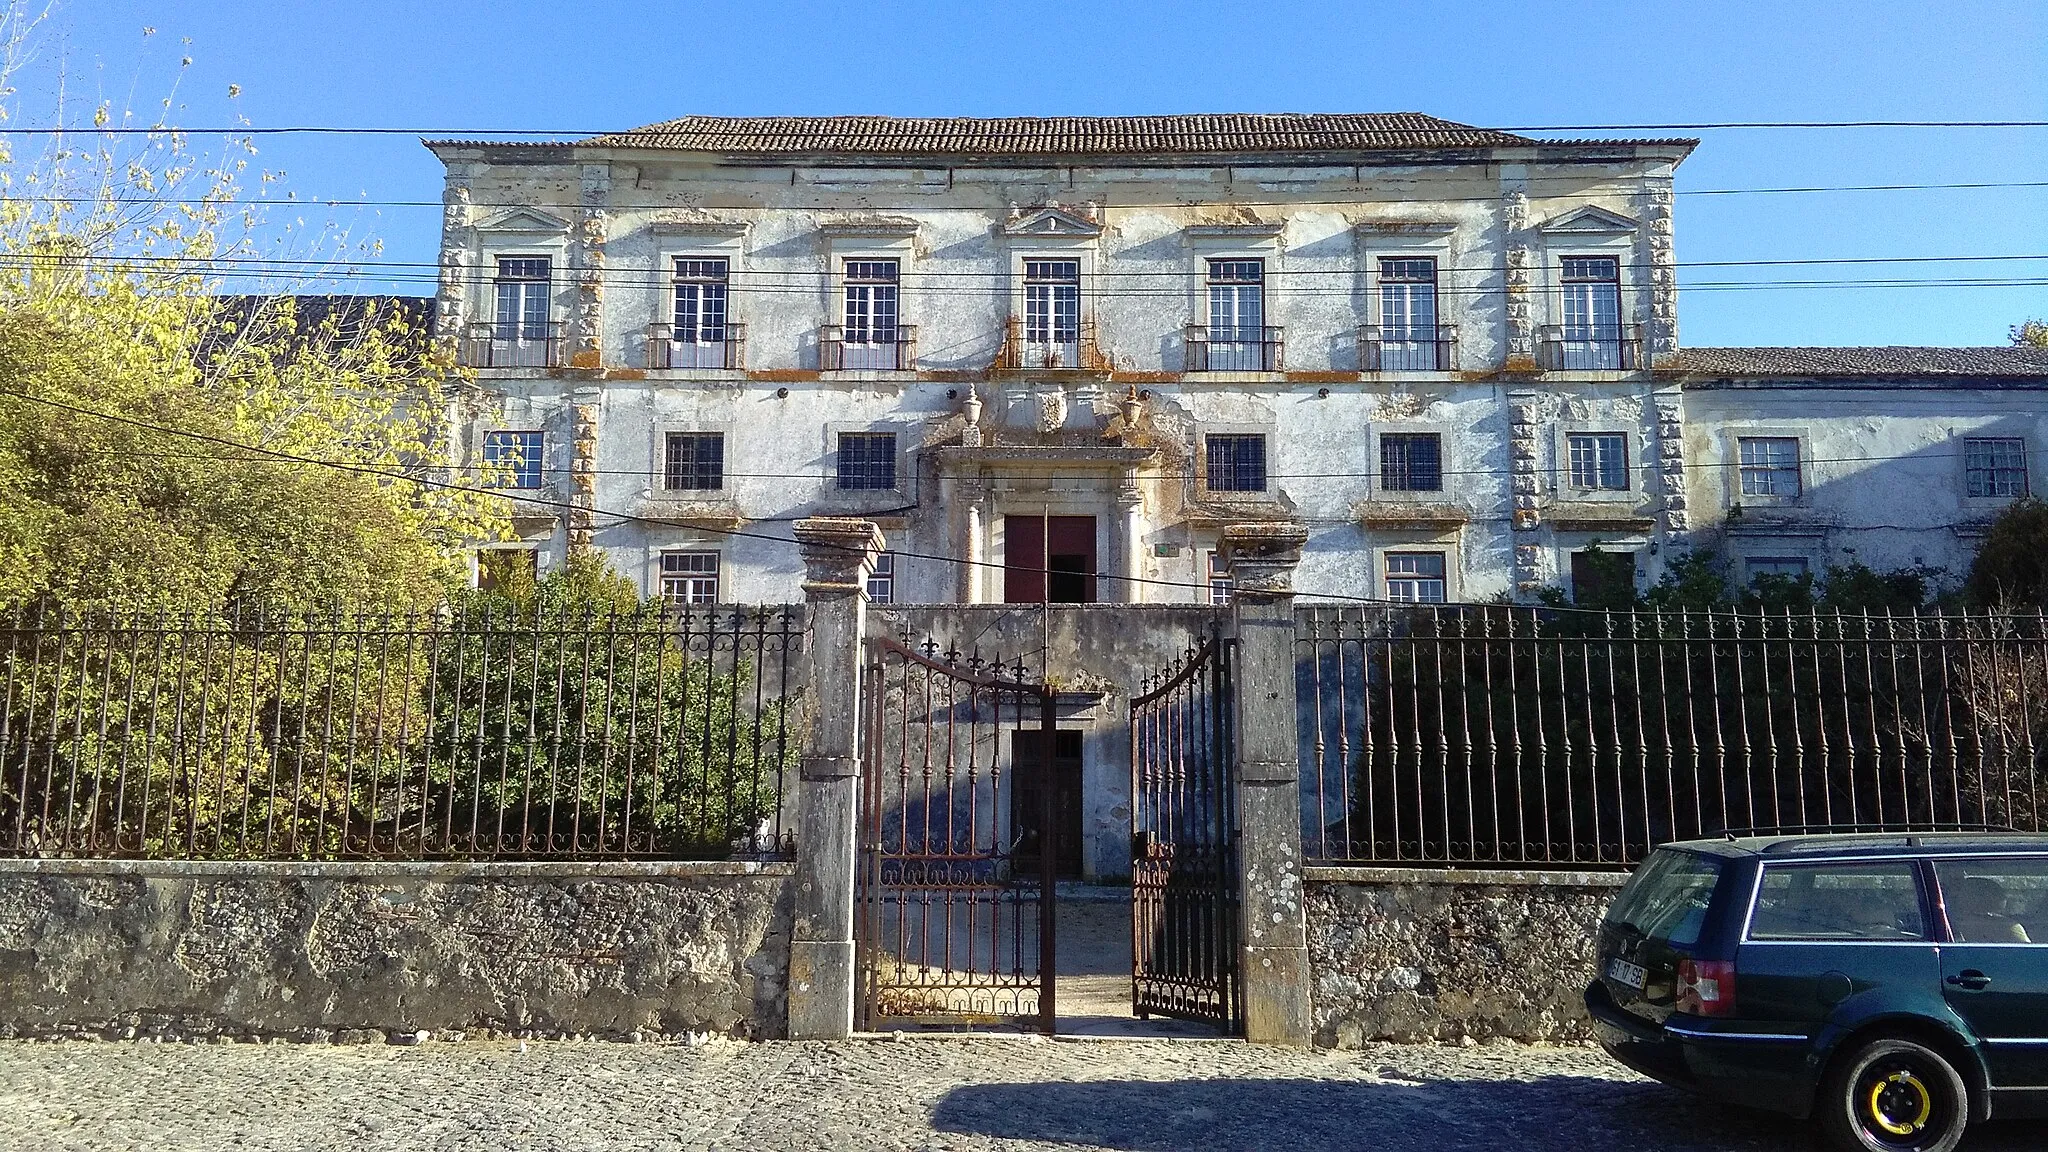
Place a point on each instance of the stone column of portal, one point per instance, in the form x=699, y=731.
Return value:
x=838, y=555
x=1262, y=560
x=1132, y=505
x=973, y=550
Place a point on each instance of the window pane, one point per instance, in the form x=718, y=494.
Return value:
x=1839, y=902
x=1770, y=465
x=1995, y=901
x=1996, y=466
x=1791, y=567
x=689, y=577
x=1411, y=462
x=867, y=461
x=1415, y=577
x=696, y=460
x=514, y=458
x=1237, y=463
x=1598, y=460
x=882, y=579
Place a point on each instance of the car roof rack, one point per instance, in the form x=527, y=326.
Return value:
x=1803, y=837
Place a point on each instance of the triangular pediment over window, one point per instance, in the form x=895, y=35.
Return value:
x=1588, y=221
x=523, y=220
x=1050, y=221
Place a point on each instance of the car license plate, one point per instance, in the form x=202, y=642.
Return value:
x=1622, y=972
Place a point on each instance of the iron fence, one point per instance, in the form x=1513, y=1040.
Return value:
x=470, y=735
x=1501, y=735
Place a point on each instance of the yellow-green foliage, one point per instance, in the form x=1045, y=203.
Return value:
x=116, y=306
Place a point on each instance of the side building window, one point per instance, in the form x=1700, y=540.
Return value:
x=1598, y=461
x=1770, y=466
x=1412, y=462
x=867, y=461
x=1221, y=582
x=695, y=461
x=1995, y=465
x=882, y=579
x=689, y=577
x=1237, y=462
x=513, y=459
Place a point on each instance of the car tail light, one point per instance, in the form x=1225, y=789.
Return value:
x=1706, y=987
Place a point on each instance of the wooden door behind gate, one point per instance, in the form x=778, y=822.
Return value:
x=952, y=932
x=1184, y=872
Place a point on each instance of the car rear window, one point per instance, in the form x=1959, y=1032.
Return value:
x=1667, y=898
x=1877, y=901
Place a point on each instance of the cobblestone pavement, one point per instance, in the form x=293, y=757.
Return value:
x=997, y=1093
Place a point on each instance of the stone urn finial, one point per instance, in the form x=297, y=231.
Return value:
x=970, y=436
x=1132, y=407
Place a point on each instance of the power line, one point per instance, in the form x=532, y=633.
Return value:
x=915, y=273
x=519, y=135
x=339, y=273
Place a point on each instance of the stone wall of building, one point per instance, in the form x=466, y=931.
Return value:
x=362, y=951
x=1412, y=954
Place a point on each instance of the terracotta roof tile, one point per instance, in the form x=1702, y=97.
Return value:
x=1999, y=360
x=1061, y=135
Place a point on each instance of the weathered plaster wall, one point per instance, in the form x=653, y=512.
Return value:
x=327, y=950
x=1322, y=231
x=1882, y=476
x=1424, y=954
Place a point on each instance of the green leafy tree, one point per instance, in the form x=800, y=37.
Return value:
x=2031, y=333
x=2011, y=568
x=127, y=380
x=575, y=718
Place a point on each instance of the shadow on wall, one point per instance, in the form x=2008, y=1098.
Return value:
x=1386, y=1114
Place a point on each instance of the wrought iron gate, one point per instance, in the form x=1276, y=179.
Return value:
x=1184, y=898
x=956, y=884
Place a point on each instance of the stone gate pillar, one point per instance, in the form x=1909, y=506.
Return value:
x=838, y=555
x=1262, y=560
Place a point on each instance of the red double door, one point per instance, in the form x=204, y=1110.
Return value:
x=1049, y=559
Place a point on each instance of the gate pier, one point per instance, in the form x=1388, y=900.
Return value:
x=1262, y=560
x=838, y=555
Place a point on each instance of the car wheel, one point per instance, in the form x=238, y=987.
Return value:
x=1894, y=1096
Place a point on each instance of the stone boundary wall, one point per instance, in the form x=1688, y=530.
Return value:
x=374, y=951
x=1416, y=954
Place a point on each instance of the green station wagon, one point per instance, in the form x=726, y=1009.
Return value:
x=1894, y=987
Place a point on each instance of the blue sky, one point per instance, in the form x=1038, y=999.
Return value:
x=605, y=64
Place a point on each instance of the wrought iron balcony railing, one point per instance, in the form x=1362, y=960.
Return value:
x=1234, y=348
x=1614, y=348
x=878, y=350
x=725, y=348
x=1413, y=349
x=512, y=346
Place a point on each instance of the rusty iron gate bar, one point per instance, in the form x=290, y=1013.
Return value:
x=1491, y=734
x=1184, y=897
x=956, y=884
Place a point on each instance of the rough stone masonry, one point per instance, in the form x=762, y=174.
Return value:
x=320, y=951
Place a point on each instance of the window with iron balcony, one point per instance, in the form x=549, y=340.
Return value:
x=1592, y=336
x=1237, y=337
x=522, y=332
x=1408, y=337
x=700, y=332
x=871, y=335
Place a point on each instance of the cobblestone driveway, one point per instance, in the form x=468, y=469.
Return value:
x=1005, y=1093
